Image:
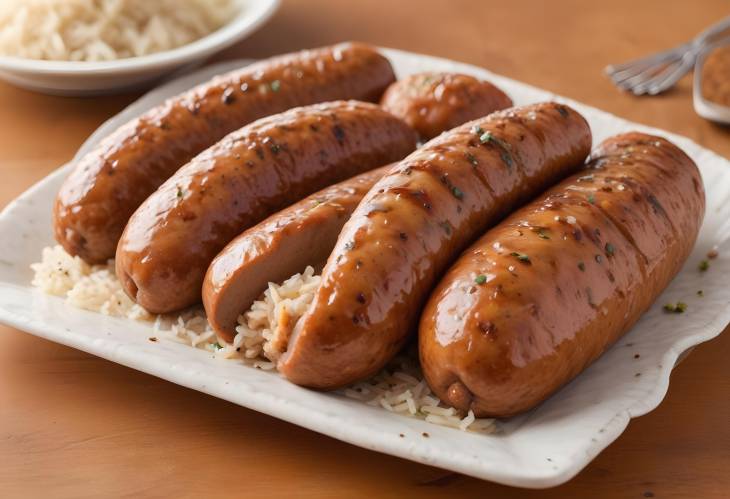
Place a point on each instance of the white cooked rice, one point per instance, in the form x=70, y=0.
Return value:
x=261, y=334
x=104, y=30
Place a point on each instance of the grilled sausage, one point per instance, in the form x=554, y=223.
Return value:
x=277, y=248
x=412, y=224
x=542, y=295
x=175, y=234
x=110, y=182
x=434, y=102
x=305, y=233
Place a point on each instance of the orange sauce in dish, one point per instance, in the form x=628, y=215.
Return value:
x=716, y=76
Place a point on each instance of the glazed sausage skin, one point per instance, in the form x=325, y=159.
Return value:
x=412, y=224
x=305, y=233
x=434, y=102
x=277, y=248
x=542, y=295
x=268, y=165
x=110, y=182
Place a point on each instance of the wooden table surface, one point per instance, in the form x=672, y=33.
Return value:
x=72, y=425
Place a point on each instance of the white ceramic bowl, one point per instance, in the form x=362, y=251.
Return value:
x=74, y=78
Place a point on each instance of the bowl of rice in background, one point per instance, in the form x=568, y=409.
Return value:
x=92, y=47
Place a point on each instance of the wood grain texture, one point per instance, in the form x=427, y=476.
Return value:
x=72, y=425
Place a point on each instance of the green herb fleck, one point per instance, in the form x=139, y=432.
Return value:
x=700, y=293
x=505, y=154
x=427, y=80
x=180, y=193
x=275, y=85
x=477, y=130
x=678, y=308
x=521, y=257
x=470, y=157
x=446, y=226
x=481, y=279
x=349, y=245
x=542, y=234
x=457, y=192
x=582, y=266
x=591, y=199
x=610, y=250
x=507, y=158
x=217, y=346
x=275, y=148
x=704, y=265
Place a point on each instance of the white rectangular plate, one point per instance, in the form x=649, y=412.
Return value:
x=544, y=448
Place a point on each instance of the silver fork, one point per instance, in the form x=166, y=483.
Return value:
x=658, y=72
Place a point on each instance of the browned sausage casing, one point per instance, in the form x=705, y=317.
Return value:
x=543, y=294
x=413, y=223
x=305, y=233
x=277, y=248
x=434, y=102
x=175, y=234
x=112, y=180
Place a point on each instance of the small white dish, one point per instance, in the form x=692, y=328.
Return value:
x=705, y=108
x=80, y=78
x=542, y=448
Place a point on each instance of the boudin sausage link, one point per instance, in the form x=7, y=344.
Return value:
x=434, y=102
x=174, y=235
x=277, y=248
x=413, y=223
x=112, y=180
x=541, y=296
